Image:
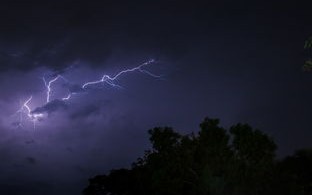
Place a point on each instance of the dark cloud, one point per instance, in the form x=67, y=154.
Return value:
x=31, y=160
x=41, y=53
x=237, y=61
x=50, y=107
x=74, y=88
x=86, y=111
x=30, y=141
x=58, y=34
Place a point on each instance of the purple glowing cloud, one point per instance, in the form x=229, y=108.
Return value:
x=52, y=105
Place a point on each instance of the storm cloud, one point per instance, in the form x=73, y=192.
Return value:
x=50, y=107
x=237, y=61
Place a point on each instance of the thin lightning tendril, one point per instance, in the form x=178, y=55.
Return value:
x=67, y=97
x=110, y=80
x=25, y=108
x=25, y=105
x=48, y=85
x=33, y=117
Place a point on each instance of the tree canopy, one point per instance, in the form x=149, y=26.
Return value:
x=308, y=62
x=214, y=161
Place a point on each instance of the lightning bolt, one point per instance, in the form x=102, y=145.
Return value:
x=48, y=85
x=67, y=97
x=33, y=117
x=110, y=80
x=25, y=108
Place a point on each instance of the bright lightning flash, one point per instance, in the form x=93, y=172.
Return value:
x=48, y=85
x=34, y=117
x=26, y=109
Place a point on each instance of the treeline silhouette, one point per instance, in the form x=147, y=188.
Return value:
x=240, y=161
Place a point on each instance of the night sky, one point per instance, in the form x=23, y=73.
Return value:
x=236, y=61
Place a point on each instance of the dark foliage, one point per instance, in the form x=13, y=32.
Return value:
x=213, y=162
x=308, y=63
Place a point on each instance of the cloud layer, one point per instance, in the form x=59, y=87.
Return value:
x=236, y=61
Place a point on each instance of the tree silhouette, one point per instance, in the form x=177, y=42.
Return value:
x=254, y=159
x=294, y=174
x=308, y=63
x=215, y=161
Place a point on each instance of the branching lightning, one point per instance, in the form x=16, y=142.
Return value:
x=110, y=80
x=25, y=106
x=26, y=109
x=48, y=85
x=106, y=79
